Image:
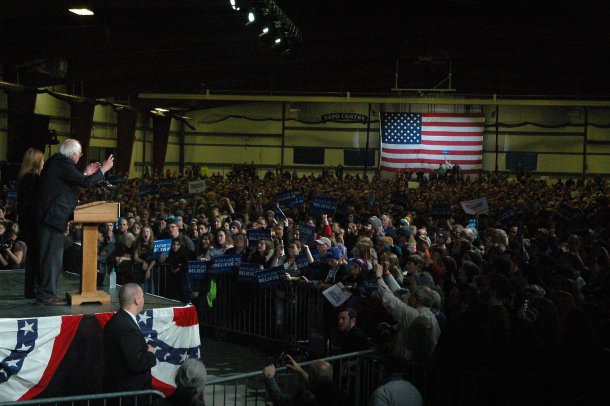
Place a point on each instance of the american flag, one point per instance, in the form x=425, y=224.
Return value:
x=30, y=353
x=174, y=332
x=423, y=141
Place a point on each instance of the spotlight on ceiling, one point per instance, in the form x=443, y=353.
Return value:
x=234, y=5
x=251, y=17
x=81, y=11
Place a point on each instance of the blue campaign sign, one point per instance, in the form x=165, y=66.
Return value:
x=255, y=234
x=472, y=224
x=247, y=272
x=302, y=261
x=506, y=215
x=370, y=284
x=268, y=278
x=11, y=194
x=324, y=204
x=307, y=234
x=197, y=269
x=225, y=263
x=116, y=180
x=161, y=247
x=290, y=199
x=148, y=190
x=165, y=182
x=316, y=255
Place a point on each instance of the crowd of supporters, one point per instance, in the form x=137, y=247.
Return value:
x=523, y=289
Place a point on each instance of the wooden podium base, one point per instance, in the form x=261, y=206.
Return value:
x=76, y=298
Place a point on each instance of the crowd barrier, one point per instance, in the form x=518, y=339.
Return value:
x=356, y=376
x=135, y=398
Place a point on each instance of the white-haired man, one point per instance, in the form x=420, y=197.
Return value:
x=58, y=190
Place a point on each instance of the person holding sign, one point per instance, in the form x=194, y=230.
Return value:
x=178, y=285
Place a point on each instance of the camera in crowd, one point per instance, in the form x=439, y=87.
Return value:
x=6, y=245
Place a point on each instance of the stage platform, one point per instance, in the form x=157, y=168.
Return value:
x=13, y=305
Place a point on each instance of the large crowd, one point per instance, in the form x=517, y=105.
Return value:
x=522, y=289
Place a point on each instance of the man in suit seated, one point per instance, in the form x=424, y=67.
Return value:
x=128, y=359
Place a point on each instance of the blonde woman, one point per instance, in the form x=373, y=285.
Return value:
x=27, y=180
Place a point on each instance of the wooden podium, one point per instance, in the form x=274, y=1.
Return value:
x=90, y=215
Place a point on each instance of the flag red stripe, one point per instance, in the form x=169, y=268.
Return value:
x=430, y=161
x=69, y=325
x=425, y=170
x=416, y=150
x=452, y=115
x=450, y=134
x=161, y=386
x=450, y=124
x=185, y=316
x=463, y=143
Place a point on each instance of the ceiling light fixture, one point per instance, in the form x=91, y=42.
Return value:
x=251, y=17
x=81, y=11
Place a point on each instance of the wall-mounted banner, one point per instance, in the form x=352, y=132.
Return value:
x=197, y=186
x=161, y=247
x=475, y=206
x=148, y=190
x=307, y=234
x=255, y=234
x=197, y=269
x=225, y=263
x=345, y=118
x=269, y=278
x=290, y=199
x=324, y=204
x=247, y=272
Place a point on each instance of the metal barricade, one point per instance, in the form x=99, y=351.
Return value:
x=356, y=376
x=135, y=398
x=285, y=313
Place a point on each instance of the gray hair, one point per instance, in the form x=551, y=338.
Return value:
x=424, y=296
x=192, y=375
x=320, y=373
x=70, y=147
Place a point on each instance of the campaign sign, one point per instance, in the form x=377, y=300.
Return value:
x=399, y=199
x=290, y=199
x=441, y=211
x=316, y=255
x=11, y=194
x=255, y=234
x=161, y=247
x=247, y=272
x=165, y=182
x=472, y=224
x=307, y=234
x=148, y=190
x=197, y=269
x=475, y=206
x=336, y=295
x=115, y=180
x=268, y=278
x=197, y=186
x=506, y=215
x=370, y=284
x=301, y=261
x=225, y=263
x=324, y=204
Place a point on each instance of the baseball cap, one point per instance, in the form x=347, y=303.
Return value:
x=324, y=240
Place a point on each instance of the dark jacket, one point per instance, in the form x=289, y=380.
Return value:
x=27, y=200
x=59, y=187
x=127, y=362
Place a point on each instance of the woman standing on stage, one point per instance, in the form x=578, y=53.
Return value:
x=27, y=179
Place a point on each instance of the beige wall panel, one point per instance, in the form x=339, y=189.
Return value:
x=598, y=164
x=559, y=163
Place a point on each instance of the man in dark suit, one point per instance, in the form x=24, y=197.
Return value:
x=127, y=357
x=59, y=187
